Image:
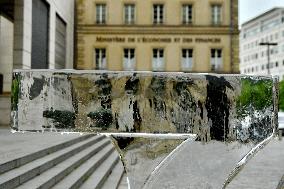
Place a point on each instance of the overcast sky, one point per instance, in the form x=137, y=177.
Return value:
x=251, y=8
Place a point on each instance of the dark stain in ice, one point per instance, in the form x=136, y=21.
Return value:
x=36, y=87
x=218, y=107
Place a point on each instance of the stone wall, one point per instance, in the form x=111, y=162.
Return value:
x=198, y=37
x=235, y=36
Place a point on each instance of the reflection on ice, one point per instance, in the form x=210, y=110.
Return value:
x=232, y=116
x=143, y=156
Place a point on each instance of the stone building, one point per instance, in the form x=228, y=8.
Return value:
x=165, y=35
x=267, y=27
x=35, y=34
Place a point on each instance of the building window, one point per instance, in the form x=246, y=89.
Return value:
x=262, y=67
x=158, y=60
x=276, y=64
x=216, y=14
x=276, y=36
x=274, y=50
x=129, y=14
x=187, y=14
x=100, y=13
x=216, y=59
x=269, y=24
x=100, y=59
x=158, y=14
x=60, y=45
x=187, y=59
x=129, y=59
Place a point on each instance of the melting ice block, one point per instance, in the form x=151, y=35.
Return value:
x=203, y=128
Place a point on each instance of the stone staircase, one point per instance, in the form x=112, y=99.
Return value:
x=89, y=161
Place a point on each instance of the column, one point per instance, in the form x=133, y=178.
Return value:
x=22, y=34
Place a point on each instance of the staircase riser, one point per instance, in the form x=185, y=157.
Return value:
x=100, y=184
x=8, y=166
x=68, y=170
x=119, y=181
x=11, y=184
x=26, y=159
x=36, y=171
x=90, y=171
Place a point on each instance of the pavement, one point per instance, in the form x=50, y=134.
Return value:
x=264, y=171
x=207, y=166
x=16, y=145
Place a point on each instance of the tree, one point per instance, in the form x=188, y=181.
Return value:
x=256, y=95
x=281, y=95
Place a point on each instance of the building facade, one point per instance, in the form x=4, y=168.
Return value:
x=35, y=34
x=164, y=35
x=6, y=52
x=265, y=28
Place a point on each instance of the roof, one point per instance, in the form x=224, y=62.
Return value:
x=263, y=14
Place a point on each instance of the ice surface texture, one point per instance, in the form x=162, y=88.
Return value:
x=227, y=119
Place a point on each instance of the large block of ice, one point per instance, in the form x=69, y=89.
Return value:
x=221, y=107
x=227, y=118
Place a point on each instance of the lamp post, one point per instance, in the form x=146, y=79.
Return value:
x=268, y=53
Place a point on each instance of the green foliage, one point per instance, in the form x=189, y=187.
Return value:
x=255, y=94
x=281, y=95
x=15, y=90
x=102, y=118
x=61, y=119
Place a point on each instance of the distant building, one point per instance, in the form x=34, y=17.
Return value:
x=267, y=27
x=35, y=34
x=164, y=35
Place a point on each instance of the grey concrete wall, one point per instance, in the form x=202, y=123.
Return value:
x=65, y=9
x=6, y=51
x=23, y=31
x=5, y=109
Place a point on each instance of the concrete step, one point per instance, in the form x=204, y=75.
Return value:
x=7, y=166
x=100, y=175
x=55, y=174
x=18, y=176
x=115, y=177
x=79, y=175
x=123, y=182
